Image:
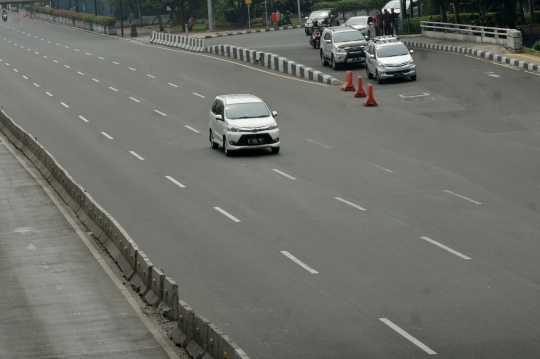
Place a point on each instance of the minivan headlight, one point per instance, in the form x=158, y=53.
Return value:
x=272, y=126
x=232, y=128
x=340, y=50
x=382, y=65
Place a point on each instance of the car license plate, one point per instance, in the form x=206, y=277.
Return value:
x=255, y=141
x=354, y=60
x=398, y=74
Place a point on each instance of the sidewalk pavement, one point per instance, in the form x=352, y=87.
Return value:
x=61, y=297
x=489, y=51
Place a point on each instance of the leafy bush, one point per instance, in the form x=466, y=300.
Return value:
x=536, y=46
x=82, y=16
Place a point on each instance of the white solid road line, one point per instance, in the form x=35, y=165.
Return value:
x=382, y=168
x=192, y=129
x=63, y=104
x=161, y=113
x=134, y=99
x=196, y=94
x=407, y=336
x=106, y=135
x=175, y=182
x=299, y=262
x=445, y=247
x=48, y=93
x=84, y=119
x=460, y=196
x=35, y=84
x=318, y=143
x=112, y=88
x=136, y=155
x=350, y=203
x=173, y=85
x=227, y=214
x=283, y=174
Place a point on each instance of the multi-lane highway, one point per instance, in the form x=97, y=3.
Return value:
x=398, y=231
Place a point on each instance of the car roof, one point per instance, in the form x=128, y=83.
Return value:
x=340, y=29
x=238, y=98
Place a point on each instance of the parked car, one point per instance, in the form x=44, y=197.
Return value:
x=318, y=15
x=342, y=45
x=386, y=58
x=239, y=122
x=364, y=24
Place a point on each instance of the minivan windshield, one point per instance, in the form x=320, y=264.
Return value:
x=360, y=20
x=318, y=15
x=392, y=4
x=239, y=111
x=348, y=36
x=392, y=50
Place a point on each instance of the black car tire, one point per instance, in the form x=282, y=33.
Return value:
x=335, y=65
x=213, y=144
x=226, y=148
x=379, y=81
x=369, y=74
x=323, y=60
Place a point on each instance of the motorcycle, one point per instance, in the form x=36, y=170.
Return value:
x=4, y=17
x=330, y=21
x=286, y=20
x=315, y=39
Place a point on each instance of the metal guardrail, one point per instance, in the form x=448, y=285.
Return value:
x=482, y=31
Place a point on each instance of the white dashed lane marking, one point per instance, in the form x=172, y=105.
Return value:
x=445, y=247
x=350, y=204
x=63, y=104
x=283, y=174
x=112, y=88
x=382, y=168
x=318, y=143
x=175, y=181
x=134, y=99
x=463, y=197
x=196, y=94
x=192, y=129
x=50, y=94
x=151, y=76
x=95, y=80
x=407, y=336
x=67, y=67
x=161, y=113
x=227, y=214
x=84, y=119
x=106, y=135
x=299, y=262
x=173, y=85
x=35, y=84
x=136, y=155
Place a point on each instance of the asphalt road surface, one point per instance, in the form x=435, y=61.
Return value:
x=397, y=231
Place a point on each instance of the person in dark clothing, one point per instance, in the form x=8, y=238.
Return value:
x=395, y=16
x=387, y=22
x=380, y=25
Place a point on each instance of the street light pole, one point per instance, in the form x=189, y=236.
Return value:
x=95, y=7
x=210, y=16
x=121, y=20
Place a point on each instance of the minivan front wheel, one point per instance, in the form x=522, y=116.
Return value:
x=379, y=81
x=323, y=60
x=369, y=74
x=335, y=65
x=226, y=147
x=213, y=144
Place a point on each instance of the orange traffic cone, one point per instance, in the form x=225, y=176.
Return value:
x=360, y=91
x=348, y=85
x=370, y=100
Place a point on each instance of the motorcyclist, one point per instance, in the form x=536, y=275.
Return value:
x=315, y=26
x=4, y=13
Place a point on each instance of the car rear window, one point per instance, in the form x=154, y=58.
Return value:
x=348, y=36
x=318, y=15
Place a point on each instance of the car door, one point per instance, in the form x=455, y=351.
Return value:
x=216, y=125
x=369, y=60
x=326, y=46
x=220, y=124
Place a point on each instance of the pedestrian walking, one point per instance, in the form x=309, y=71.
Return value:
x=374, y=20
x=395, y=17
x=387, y=22
x=380, y=24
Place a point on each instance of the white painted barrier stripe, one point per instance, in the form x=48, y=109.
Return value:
x=460, y=196
x=227, y=214
x=175, y=181
x=283, y=174
x=445, y=247
x=84, y=119
x=350, y=203
x=382, y=168
x=407, y=336
x=136, y=155
x=192, y=129
x=161, y=113
x=106, y=135
x=299, y=262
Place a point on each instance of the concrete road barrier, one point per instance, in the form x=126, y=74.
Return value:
x=179, y=41
x=181, y=335
x=197, y=346
x=274, y=62
x=154, y=293
x=192, y=330
x=169, y=299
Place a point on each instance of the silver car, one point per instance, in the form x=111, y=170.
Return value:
x=341, y=46
x=388, y=58
x=364, y=24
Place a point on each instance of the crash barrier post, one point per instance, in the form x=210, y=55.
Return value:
x=197, y=346
x=143, y=269
x=360, y=90
x=169, y=299
x=348, y=85
x=370, y=100
x=155, y=287
x=273, y=61
x=192, y=330
x=179, y=41
x=181, y=335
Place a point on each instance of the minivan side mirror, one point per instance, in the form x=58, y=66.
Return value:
x=411, y=51
x=219, y=117
x=306, y=17
x=274, y=113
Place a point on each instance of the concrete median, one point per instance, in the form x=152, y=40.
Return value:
x=141, y=277
x=199, y=339
x=178, y=41
x=169, y=299
x=155, y=287
x=181, y=335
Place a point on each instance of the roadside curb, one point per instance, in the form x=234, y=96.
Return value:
x=274, y=62
x=478, y=53
x=251, y=31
